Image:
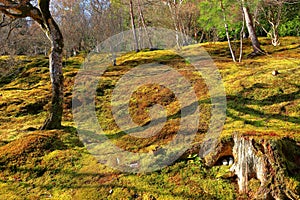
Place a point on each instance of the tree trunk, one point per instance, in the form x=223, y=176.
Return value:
x=55, y=67
x=275, y=36
x=174, y=15
x=144, y=25
x=42, y=15
x=242, y=36
x=255, y=43
x=133, y=27
x=227, y=32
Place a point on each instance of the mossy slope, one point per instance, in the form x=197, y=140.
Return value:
x=54, y=164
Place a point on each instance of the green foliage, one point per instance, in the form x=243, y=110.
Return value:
x=290, y=27
x=212, y=18
x=290, y=20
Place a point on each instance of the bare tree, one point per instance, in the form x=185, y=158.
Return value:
x=174, y=7
x=144, y=24
x=41, y=14
x=133, y=26
x=76, y=34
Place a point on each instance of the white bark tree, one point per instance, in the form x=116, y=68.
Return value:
x=41, y=14
x=227, y=32
x=272, y=11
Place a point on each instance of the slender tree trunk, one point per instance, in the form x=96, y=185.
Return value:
x=174, y=14
x=202, y=37
x=55, y=67
x=255, y=43
x=144, y=25
x=227, y=32
x=133, y=27
x=185, y=39
x=241, y=37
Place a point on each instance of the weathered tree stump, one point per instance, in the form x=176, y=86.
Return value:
x=274, y=162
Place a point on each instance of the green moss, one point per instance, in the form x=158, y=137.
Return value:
x=40, y=164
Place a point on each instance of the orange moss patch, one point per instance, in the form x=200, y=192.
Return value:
x=31, y=145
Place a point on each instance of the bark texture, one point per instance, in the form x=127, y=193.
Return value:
x=272, y=161
x=56, y=75
x=55, y=67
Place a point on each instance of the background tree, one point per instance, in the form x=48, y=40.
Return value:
x=251, y=29
x=227, y=32
x=74, y=22
x=42, y=15
x=272, y=12
x=290, y=25
x=85, y=24
x=107, y=19
x=222, y=18
x=133, y=27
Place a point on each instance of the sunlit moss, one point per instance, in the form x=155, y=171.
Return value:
x=258, y=104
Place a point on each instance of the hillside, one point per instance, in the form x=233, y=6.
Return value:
x=55, y=164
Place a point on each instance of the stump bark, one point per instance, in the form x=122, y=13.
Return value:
x=272, y=161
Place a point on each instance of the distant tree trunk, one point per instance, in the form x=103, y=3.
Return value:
x=255, y=43
x=227, y=32
x=242, y=36
x=133, y=27
x=144, y=25
x=202, y=37
x=55, y=67
x=275, y=36
x=174, y=14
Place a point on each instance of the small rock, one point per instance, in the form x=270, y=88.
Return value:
x=135, y=195
x=134, y=165
x=275, y=73
x=224, y=162
x=111, y=191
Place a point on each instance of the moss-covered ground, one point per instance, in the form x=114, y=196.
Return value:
x=56, y=165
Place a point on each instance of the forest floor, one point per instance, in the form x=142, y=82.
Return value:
x=56, y=165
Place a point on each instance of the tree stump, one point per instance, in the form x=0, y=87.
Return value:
x=272, y=161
